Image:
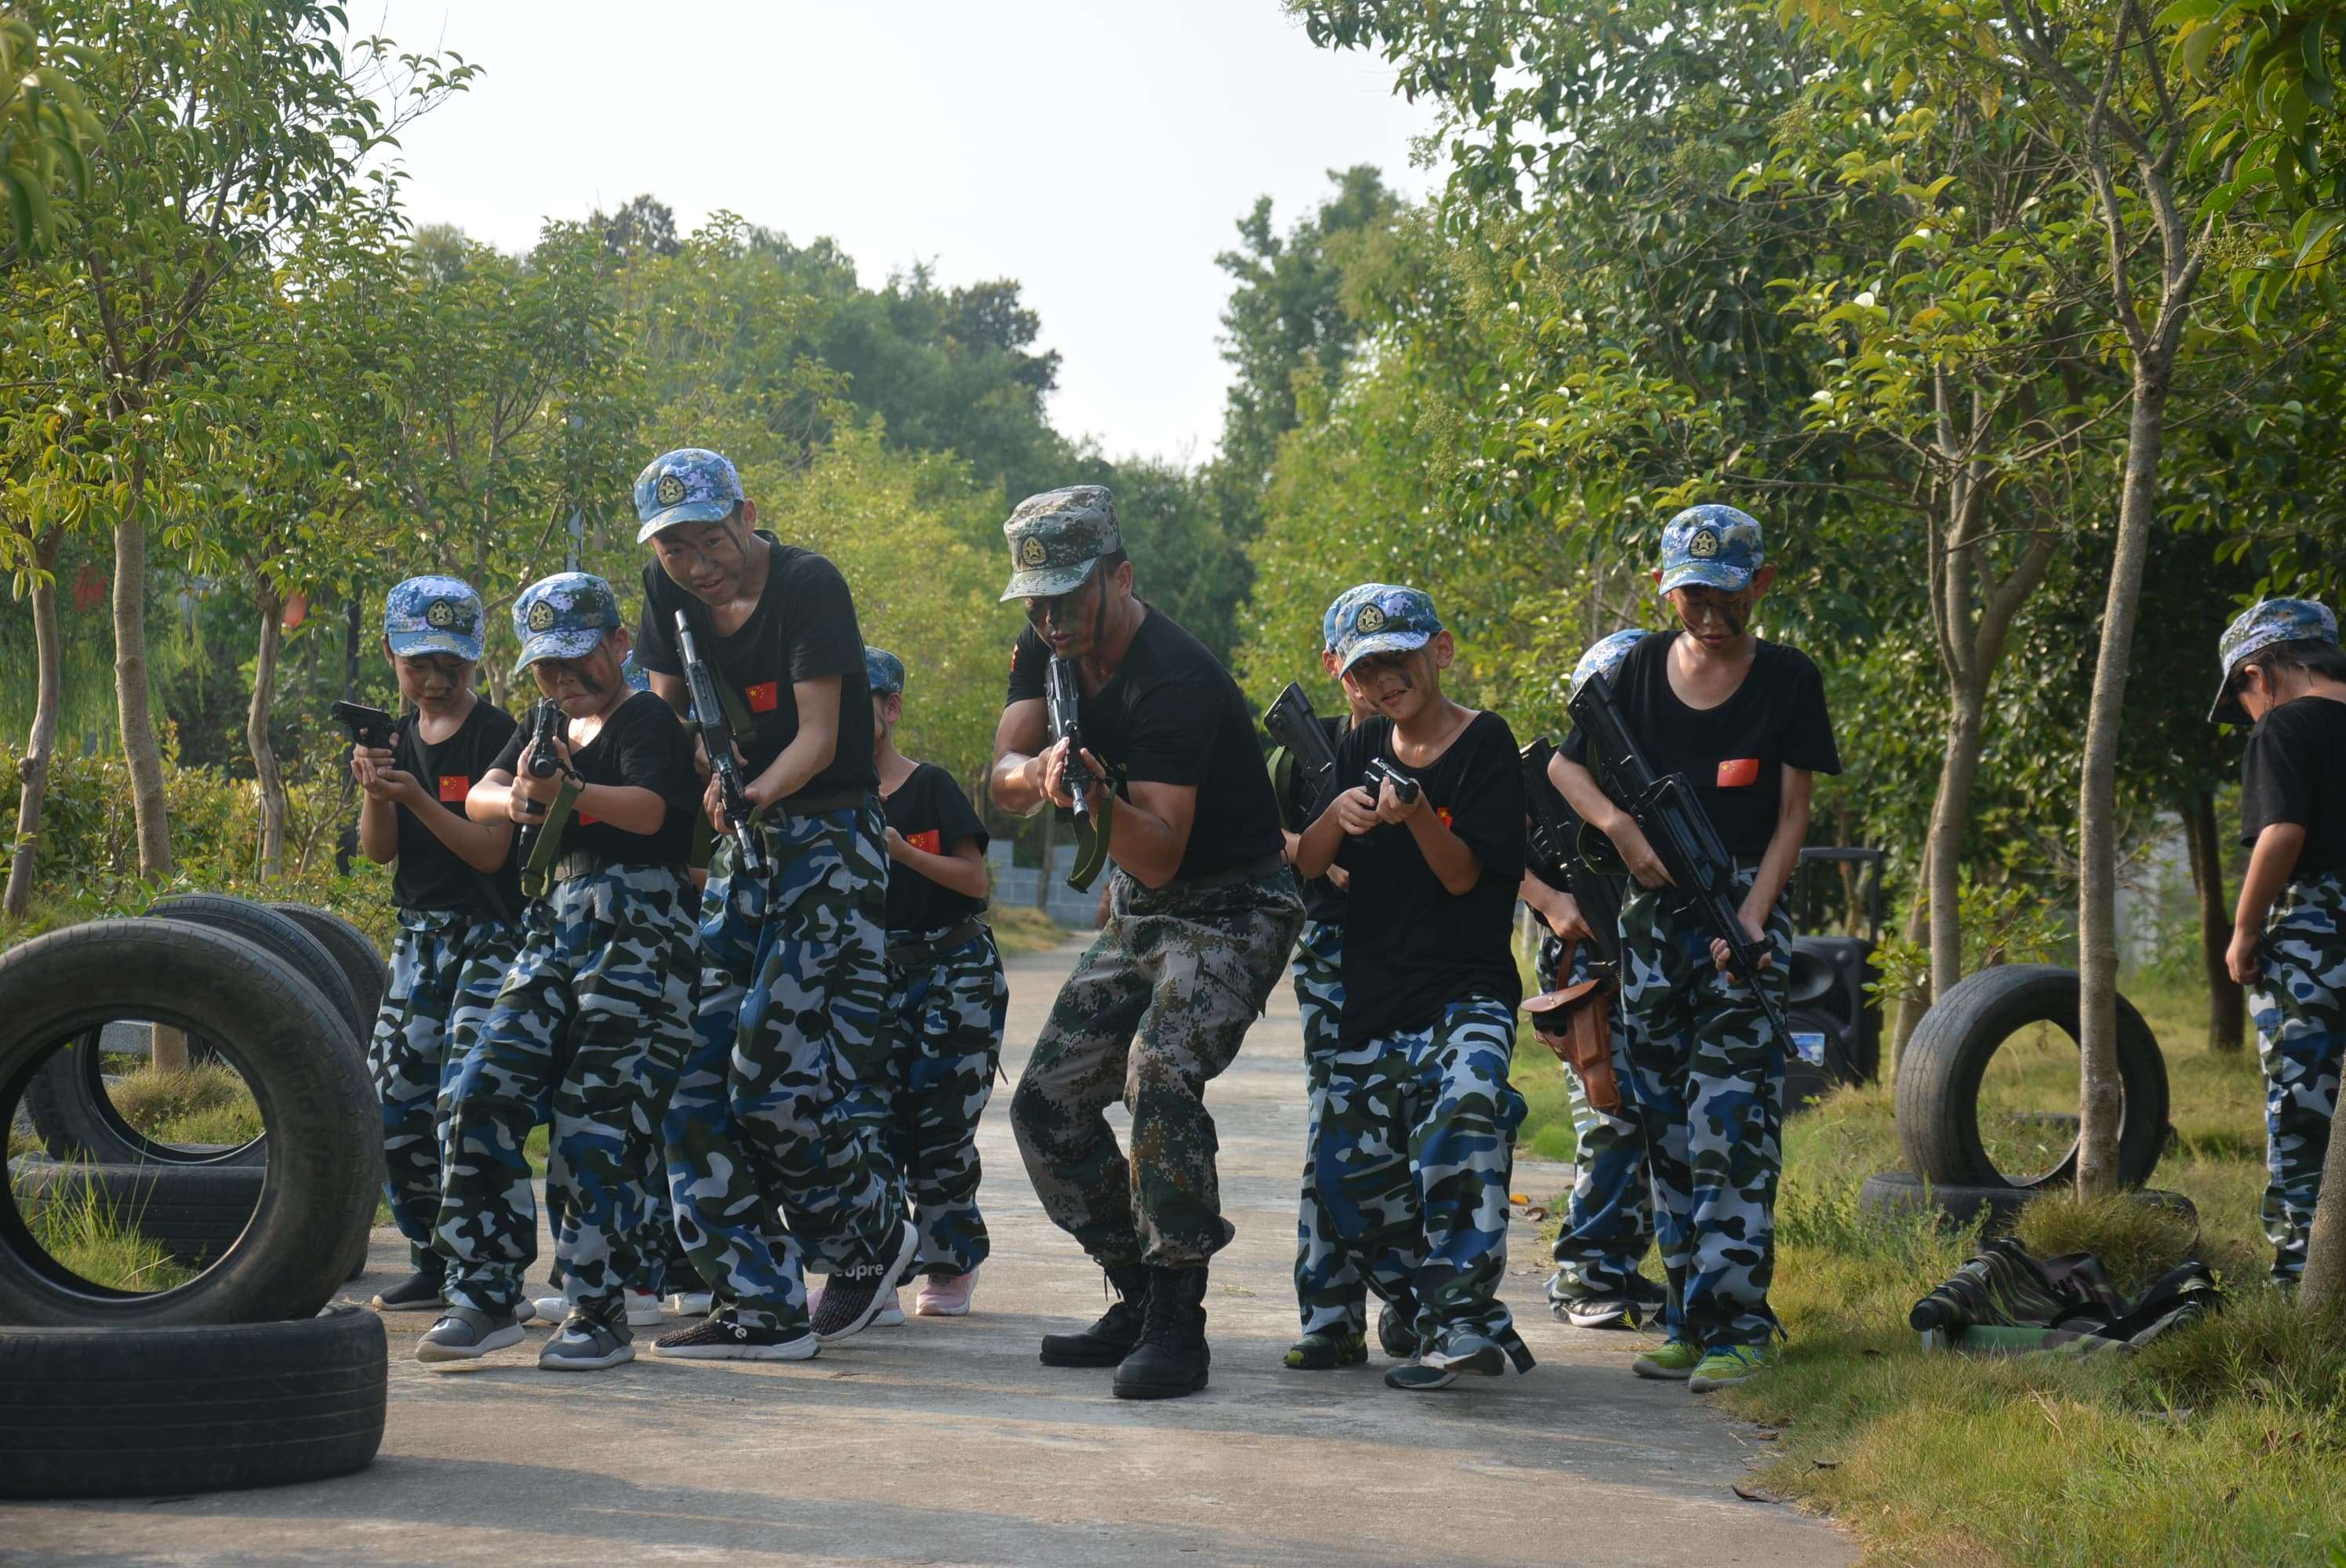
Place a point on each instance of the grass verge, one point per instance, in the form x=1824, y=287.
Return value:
x=80, y=1230
x=1018, y=927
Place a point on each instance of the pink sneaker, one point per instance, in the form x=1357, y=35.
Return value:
x=945, y=1295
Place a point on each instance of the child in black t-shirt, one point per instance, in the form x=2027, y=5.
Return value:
x=2283, y=672
x=1417, y=1142
x=456, y=888
x=1745, y=721
x=950, y=1000
x=595, y=1011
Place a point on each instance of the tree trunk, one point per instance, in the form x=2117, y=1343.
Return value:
x=268, y=780
x=131, y=697
x=2100, y=1098
x=41, y=747
x=2227, y=1005
x=2324, y=1286
x=1950, y=813
x=1917, y=1001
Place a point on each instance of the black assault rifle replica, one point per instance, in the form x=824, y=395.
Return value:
x=1062, y=694
x=1305, y=755
x=715, y=732
x=1674, y=822
x=540, y=843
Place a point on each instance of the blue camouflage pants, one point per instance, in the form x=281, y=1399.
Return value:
x=945, y=1040
x=593, y=1021
x=1708, y=1070
x=1329, y=1293
x=1415, y=1151
x=794, y=991
x=2299, y=1004
x=445, y=968
x=1609, y=1223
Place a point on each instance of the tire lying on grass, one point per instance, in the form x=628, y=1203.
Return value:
x=1939, y=1077
x=1902, y=1193
x=282, y=935
x=194, y=1213
x=96, y=1412
x=325, y=1161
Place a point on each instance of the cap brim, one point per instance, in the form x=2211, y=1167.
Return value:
x=1385, y=642
x=1048, y=582
x=1707, y=574
x=683, y=512
x=571, y=642
x=413, y=645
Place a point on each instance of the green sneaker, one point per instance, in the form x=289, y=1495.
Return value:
x=1727, y=1367
x=1675, y=1362
x=1326, y=1350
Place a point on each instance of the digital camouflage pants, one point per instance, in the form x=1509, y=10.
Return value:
x=1707, y=1069
x=1329, y=1294
x=593, y=1022
x=793, y=992
x=1157, y=1007
x=1415, y=1150
x=945, y=1040
x=1609, y=1223
x=2299, y=1005
x=445, y=968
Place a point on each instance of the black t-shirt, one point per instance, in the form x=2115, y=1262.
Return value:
x=431, y=875
x=804, y=628
x=2294, y=770
x=930, y=810
x=640, y=744
x=1323, y=901
x=1172, y=715
x=1734, y=755
x=1411, y=947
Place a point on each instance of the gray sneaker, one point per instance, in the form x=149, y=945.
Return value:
x=1472, y=1353
x=584, y=1345
x=464, y=1335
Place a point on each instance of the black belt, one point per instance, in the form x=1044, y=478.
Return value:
x=921, y=949
x=1270, y=865
x=588, y=863
x=811, y=805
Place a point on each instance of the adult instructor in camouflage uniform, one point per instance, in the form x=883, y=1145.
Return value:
x=1202, y=912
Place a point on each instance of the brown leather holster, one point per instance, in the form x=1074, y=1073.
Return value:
x=1577, y=1023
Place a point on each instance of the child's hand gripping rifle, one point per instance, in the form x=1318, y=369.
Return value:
x=1674, y=822
x=1061, y=692
x=715, y=732
x=1302, y=762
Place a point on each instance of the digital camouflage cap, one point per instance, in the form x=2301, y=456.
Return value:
x=690, y=484
x=1712, y=546
x=882, y=671
x=1331, y=622
x=1383, y=619
x=2257, y=627
x=433, y=615
x=562, y=616
x=1055, y=537
x=1604, y=658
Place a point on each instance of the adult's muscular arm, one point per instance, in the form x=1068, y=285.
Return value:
x=1148, y=832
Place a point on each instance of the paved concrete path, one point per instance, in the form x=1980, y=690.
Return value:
x=943, y=1441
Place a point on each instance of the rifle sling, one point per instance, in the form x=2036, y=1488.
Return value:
x=1091, y=842
x=537, y=872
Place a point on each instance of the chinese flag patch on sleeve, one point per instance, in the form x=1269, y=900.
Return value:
x=454, y=787
x=930, y=840
x=1739, y=773
x=764, y=696
x=1442, y=812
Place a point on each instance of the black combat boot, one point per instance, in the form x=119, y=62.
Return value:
x=1172, y=1359
x=1106, y=1342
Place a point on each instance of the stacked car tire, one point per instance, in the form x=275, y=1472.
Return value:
x=234, y=1377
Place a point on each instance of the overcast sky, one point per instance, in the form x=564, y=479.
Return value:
x=1099, y=151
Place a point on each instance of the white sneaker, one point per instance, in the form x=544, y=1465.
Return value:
x=691, y=1303
x=553, y=1309
x=643, y=1309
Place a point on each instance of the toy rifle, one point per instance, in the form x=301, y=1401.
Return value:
x=1405, y=788
x=1575, y=1021
x=1061, y=695
x=541, y=841
x=715, y=732
x=1667, y=813
x=1301, y=754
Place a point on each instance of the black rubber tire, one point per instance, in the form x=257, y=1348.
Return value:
x=353, y=951
x=1939, y=1078
x=325, y=1153
x=194, y=1212
x=106, y=1412
x=279, y=934
x=1904, y=1192
x=77, y=1120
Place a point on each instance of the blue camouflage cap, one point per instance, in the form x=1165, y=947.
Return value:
x=2259, y=627
x=1713, y=546
x=1333, y=621
x=433, y=615
x=1604, y=658
x=690, y=484
x=882, y=671
x=635, y=674
x=562, y=616
x=1055, y=538
x=1383, y=619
